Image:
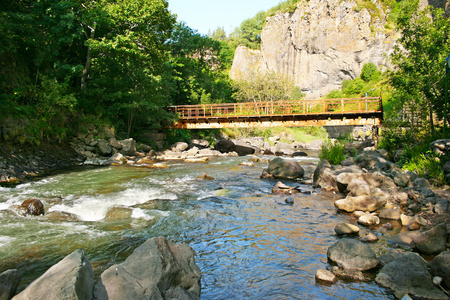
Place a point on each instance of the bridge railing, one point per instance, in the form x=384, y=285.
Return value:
x=274, y=108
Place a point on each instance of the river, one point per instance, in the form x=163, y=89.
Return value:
x=249, y=244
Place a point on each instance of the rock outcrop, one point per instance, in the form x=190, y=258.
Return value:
x=71, y=278
x=319, y=45
x=157, y=269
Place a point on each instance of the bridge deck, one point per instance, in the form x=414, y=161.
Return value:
x=322, y=112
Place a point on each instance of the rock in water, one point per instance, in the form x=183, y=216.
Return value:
x=157, y=269
x=289, y=201
x=325, y=277
x=346, y=228
x=352, y=255
x=205, y=176
x=283, y=168
x=9, y=281
x=408, y=274
x=33, y=207
x=71, y=278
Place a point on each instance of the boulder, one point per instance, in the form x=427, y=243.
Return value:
x=358, y=187
x=352, y=255
x=446, y=168
x=285, y=169
x=440, y=266
x=103, y=148
x=325, y=277
x=128, y=147
x=281, y=188
x=243, y=150
x=145, y=148
x=324, y=177
x=402, y=179
x=432, y=241
x=421, y=183
x=363, y=203
x=115, y=143
x=179, y=147
x=299, y=153
x=441, y=147
x=408, y=274
x=9, y=281
x=224, y=146
x=201, y=144
x=157, y=269
x=71, y=278
x=368, y=220
x=32, y=207
x=373, y=160
x=346, y=228
x=390, y=213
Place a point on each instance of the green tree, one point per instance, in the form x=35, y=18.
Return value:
x=419, y=61
x=265, y=86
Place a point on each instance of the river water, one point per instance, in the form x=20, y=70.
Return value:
x=249, y=243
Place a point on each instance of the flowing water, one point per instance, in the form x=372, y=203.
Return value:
x=249, y=243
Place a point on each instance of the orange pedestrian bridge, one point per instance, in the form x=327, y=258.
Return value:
x=293, y=113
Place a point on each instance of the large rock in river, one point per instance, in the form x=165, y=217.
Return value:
x=408, y=274
x=324, y=177
x=351, y=254
x=71, y=278
x=157, y=269
x=33, y=207
x=9, y=281
x=363, y=203
x=285, y=169
x=432, y=241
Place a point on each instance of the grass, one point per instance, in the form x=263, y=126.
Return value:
x=299, y=134
x=333, y=152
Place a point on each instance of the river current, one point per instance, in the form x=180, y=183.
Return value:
x=249, y=243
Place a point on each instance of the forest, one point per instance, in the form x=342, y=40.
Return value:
x=65, y=64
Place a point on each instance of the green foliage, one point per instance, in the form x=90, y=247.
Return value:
x=395, y=138
x=265, y=86
x=353, y=87
x=427, y=165
x=283, y=6
x=333, y=152
x=249, y=32
x=299, y=134
x=419, y=62
x=370, y=72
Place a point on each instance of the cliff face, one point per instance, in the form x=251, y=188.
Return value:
x=319, y=45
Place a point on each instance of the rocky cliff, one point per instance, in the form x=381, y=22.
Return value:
x=321, y=44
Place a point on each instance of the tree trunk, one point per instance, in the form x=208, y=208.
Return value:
x=87, y=66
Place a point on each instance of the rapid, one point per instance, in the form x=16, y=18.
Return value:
x=249, y=243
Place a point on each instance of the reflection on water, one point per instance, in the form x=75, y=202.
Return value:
x=249, y=244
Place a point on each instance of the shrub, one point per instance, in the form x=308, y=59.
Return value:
x=369, y=72
x=333, y=152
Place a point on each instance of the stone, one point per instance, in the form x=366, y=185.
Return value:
x=243, y=150
x=115, y=143
x=408, y=274
x=440, y=266
x=402, y=179
x=432, y=241
x=128, y=147
x=346, y=228
x=205, y=176
x=325, y=277
x=117, y=158
x=390, y=213
x=441, y=207
x=446, y=168
x=420, y=183
x=103, y=148
x=348, y=162
x=145, y=148
x=358, y=187
x=281, y=188
x=179, y=147
x=352, y=255
x=208, y=152
x=71, y=278
x=369, y=237
x=441, y=147
x=368, y=220
x=9, y=281
x=364, y=203
x=224, y=146
x=199, y=143
x=33, y=207
x=157, y=269
x=285, y=169
x=324, y=177
x=299, y=153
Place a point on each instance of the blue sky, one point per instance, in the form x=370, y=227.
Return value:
x=205, y=15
